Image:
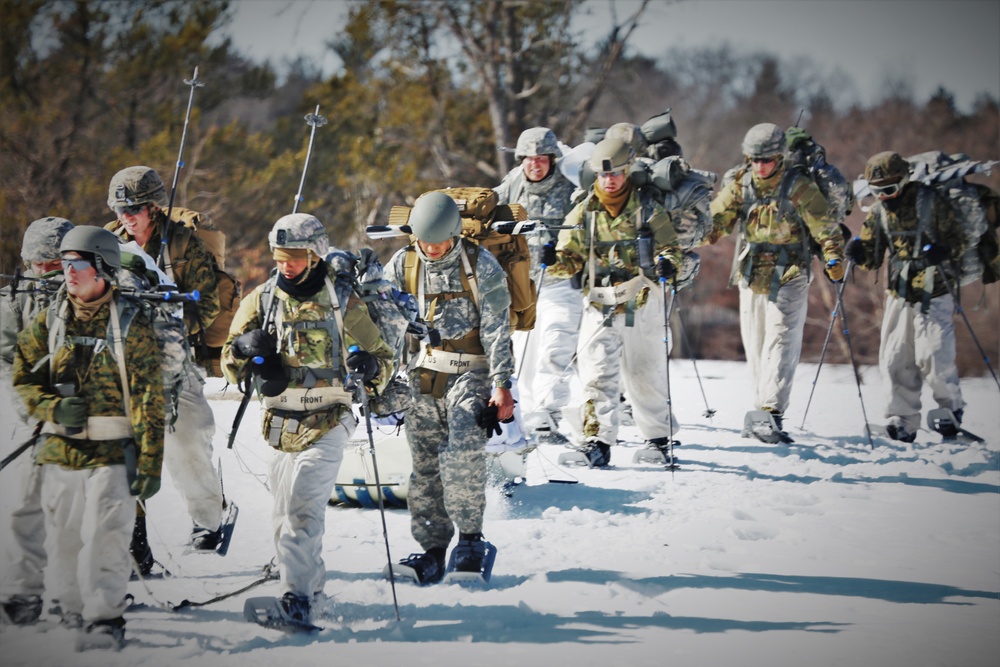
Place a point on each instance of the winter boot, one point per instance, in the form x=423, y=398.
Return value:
x=426, y=568
x=23, y=609
x=470, y=552
x=598, y=454
x=103, y=634
x=203, y=539
x=296, y=607
x=139, y=548
x=657, y=451
x=900, y=432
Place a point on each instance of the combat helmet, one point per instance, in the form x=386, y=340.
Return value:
x=611, y=155
x=537, y=141
x=300, y=230
x=137, y=185
x=96, y=241
x=43, y=237
x=763, y=141
x=630, y=134
x=435, y=218
x=887, y=172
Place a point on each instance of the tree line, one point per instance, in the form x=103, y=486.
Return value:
x=429, y=94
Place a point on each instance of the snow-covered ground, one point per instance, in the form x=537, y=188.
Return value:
x=823, y=552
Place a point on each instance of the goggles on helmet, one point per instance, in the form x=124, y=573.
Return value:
x=887, y=190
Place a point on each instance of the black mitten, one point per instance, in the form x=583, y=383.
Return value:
x=255, y=343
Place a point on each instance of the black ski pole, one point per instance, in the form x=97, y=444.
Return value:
x=194, y=83
x=850, y=350
x=961, y=311
x=22, y=447
x=829, y=330
x=709, y=412
x=360, y=386
x=314, y=120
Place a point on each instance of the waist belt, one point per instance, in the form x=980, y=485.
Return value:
x=97, y=428
x=620, y=293
x=308, y=399
x=783, y=252
x=441, y=361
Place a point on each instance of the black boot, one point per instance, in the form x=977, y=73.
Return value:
x=469, y=553
x=598, y=454
x=23, y=609
x=428, y=567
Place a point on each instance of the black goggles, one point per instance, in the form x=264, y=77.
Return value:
x=134, y=209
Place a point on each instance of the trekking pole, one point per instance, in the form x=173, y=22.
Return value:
x=314, y=120
x=961, y=311
x=667, y=308
x=709, y=412
x=829, y=330
x=194, y=83
x=378, y=484
x=527, y=335
x=850, y=350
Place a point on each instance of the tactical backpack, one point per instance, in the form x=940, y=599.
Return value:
x=229, y=287
x=978, y=207
x=479, y=210
x=686, y=194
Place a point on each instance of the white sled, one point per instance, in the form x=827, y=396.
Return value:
x=356, y=479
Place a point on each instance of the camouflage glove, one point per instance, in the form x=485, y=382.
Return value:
x=549, y=254
x=145, y=486
x=835, y=270
x=489, y=421
x=855, y=251
x=362, y=364
x=665, y=269
x=935, y=253
x=256, y=343
x=71, y=411
x=795, y=136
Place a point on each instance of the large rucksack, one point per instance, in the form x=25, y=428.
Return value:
x=479, y=210
x=229, y=287
x=686, y=194
x=977, y=204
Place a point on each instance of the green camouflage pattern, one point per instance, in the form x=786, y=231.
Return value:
x=137, y=185
x=892, y=225
x=618, y=261
x=193, y=270
x=764, y=140
x=95, y=374
x=763, y=226
x=310, y=348
x=885, y=168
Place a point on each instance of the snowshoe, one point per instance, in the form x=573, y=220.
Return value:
x=217, y=541
x=948, y=424
x=104, y=634
x=22, y=609
x=658, y=451
x=765, y=426
x=595, y=454
x=289, y=613
x=422, y=569
x=471, y=560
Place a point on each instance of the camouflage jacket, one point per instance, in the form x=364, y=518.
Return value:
x=455, y=318
x=18, y=310
x=615, y=245
x=194, y=270
x=547, y=200
x=308, y=353
x=766, y=242
x=94, y=372
x=894, y=225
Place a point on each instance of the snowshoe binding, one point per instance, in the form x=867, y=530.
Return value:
x=948, y=424
x=22, y=609
x=658, y=451
x=422, y=569
x=595, y=454
x=765, y=426
x=217, y=541
x=471, y=560
x=104, y=634
x=290, y=613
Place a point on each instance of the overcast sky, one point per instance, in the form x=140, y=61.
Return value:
x=927, y=43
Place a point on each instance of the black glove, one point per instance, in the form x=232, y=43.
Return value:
x=362, y=364
x=935, y=253
x=71, y=411
x=273, y=380
x=665, y=268
x=487, y=420
x=549, y=254
x=855, y=251
x=256, y=343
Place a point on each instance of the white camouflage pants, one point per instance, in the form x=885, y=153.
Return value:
x=301, y=483
x=918, y=347
x=187, y=454
x=616, y=357
x=88, y=519
x=772, y=340
x=544, y=378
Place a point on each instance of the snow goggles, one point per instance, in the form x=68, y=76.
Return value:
x=134, y=209
x=763, y=160
x=887, y=190
x=613, y=172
